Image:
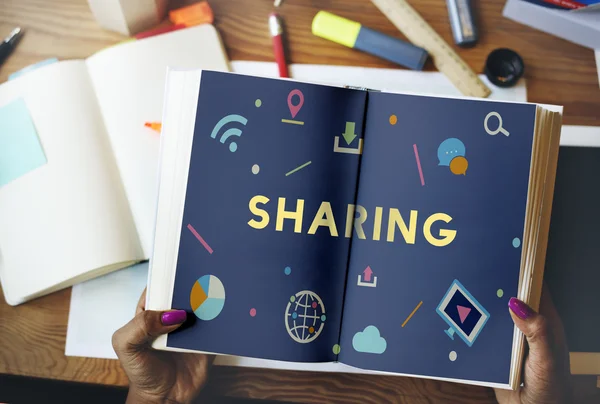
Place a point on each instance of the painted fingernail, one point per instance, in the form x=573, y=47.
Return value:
x=521, y=309
x=173, y=317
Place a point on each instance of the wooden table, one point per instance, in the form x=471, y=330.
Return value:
x=32, y=336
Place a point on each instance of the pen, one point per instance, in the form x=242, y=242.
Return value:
x=277, y=35
x=462, y=21
x=9, y=43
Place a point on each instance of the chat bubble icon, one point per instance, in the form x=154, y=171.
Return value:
x=459, y=165
x=449, y=149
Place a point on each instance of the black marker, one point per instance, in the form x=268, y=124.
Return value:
x=9, y=43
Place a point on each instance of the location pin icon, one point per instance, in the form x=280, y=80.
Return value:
x=294, y=109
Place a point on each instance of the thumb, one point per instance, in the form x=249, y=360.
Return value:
x=537, y=331
x=145, y=327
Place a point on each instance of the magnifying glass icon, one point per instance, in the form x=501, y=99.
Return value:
x=500, y=128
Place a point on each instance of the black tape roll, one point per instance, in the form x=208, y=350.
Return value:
x=504, y=67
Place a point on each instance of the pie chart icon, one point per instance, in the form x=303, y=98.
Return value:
x=207, y=297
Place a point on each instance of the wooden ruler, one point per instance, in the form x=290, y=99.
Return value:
x=416, y=29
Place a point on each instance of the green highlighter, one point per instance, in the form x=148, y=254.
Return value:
x=353, y=35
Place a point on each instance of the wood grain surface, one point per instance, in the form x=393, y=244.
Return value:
x=32, y=336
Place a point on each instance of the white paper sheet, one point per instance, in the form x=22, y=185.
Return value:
x=97, y=297
x=581, y=136
x=393, y=80
x=100, y=307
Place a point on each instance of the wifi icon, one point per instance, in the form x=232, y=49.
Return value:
x=229, y=132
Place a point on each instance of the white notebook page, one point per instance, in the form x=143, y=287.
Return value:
x=69, y=216
x=129, y=81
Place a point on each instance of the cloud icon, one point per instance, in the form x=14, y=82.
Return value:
x=369, y=341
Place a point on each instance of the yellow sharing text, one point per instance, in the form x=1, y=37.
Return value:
x=356, y=216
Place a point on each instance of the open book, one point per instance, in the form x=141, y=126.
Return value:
x=308, y=223
x=90, y=209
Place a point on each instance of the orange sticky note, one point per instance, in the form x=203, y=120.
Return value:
x=196, y=14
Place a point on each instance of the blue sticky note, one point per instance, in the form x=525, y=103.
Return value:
x=20, y=148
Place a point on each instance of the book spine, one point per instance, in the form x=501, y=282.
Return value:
x=570, y=4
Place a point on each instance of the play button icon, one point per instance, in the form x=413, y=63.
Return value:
x=463, y=312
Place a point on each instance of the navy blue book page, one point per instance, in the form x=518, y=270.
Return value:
x=257, y=272
x=433, y=301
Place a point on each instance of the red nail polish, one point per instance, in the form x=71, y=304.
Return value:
x=173, y=317
x=521, y=309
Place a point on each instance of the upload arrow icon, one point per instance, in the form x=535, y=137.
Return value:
x=367, y=278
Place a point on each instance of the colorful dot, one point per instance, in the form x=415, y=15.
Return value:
x=287, y=270
x=336, y=349
x=453, y=355
x=393, y=119
x=323, y=317
x=294, y=315
x=258, y=103
x=516, y=242
x=293, y=299
x=252, y=312
x=499, y=293
x=314, y=305
x=311, y=329
x=233, y=147
x=255, y=169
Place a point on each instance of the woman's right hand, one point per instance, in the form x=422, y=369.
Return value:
x=547, y=375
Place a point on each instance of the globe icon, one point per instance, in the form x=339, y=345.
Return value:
x=305, y=316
